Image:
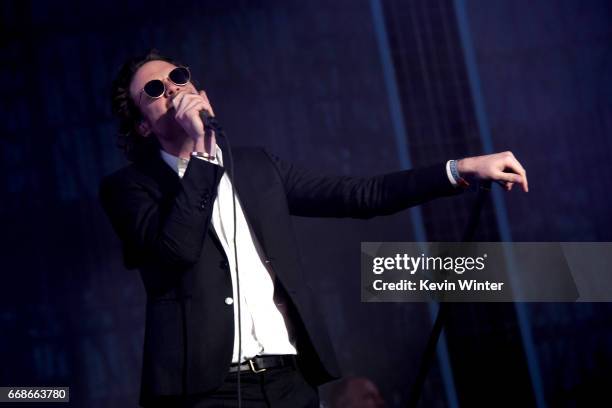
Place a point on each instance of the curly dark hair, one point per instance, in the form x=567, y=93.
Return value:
x=126, y=111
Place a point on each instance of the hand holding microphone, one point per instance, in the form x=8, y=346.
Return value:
x=191, y=112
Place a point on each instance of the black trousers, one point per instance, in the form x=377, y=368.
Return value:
x=283, y=387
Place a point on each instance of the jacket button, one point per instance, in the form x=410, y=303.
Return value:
x=229, y=301
x=224, y=264
x=204, y=201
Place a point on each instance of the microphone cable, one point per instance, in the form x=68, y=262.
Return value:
x=211, y=124
x=416, y=390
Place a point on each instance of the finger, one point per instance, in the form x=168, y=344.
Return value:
x=516, y=163
x=186, y=97
x=181, y=101
x=203, y=95
x=191, y=100
x=513, y=165
x=523, y=182
x=194, y=104
x=176, y=100
x=209, y=108
x=508, y=177
x=182, y=110
x=522, y=172
x=505, y=184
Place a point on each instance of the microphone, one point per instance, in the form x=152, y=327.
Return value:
x=209, y=121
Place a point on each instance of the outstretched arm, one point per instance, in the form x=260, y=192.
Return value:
x=311, y=194
x=314, y=195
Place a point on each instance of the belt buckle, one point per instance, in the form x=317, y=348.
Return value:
x=255, y=370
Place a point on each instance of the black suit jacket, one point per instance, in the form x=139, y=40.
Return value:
x=164, y=224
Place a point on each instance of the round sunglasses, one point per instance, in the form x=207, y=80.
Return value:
x=155, y=88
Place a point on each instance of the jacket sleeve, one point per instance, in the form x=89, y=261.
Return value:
x=150, y=234
x=314, y=195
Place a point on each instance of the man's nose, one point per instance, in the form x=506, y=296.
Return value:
x=171, y=88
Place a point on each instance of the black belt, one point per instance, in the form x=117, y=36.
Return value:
x=260, y=364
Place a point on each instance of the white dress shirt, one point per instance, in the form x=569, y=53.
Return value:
x=264, y=330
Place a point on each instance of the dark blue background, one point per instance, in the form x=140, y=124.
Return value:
x=337, y=86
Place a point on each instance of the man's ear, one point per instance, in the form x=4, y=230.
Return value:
x=144, y=129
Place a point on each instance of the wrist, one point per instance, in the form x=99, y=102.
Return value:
x=205, y=144
x=198, y=144
x=464, y=167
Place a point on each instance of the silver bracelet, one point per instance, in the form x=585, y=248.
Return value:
x=203, y=155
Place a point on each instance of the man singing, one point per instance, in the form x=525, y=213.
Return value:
x=226, y=299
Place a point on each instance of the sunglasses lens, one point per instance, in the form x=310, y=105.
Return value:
x=154, y=88
x=180, y=75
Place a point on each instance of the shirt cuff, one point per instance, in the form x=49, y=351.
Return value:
x=453, y=175
x=449, y=174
